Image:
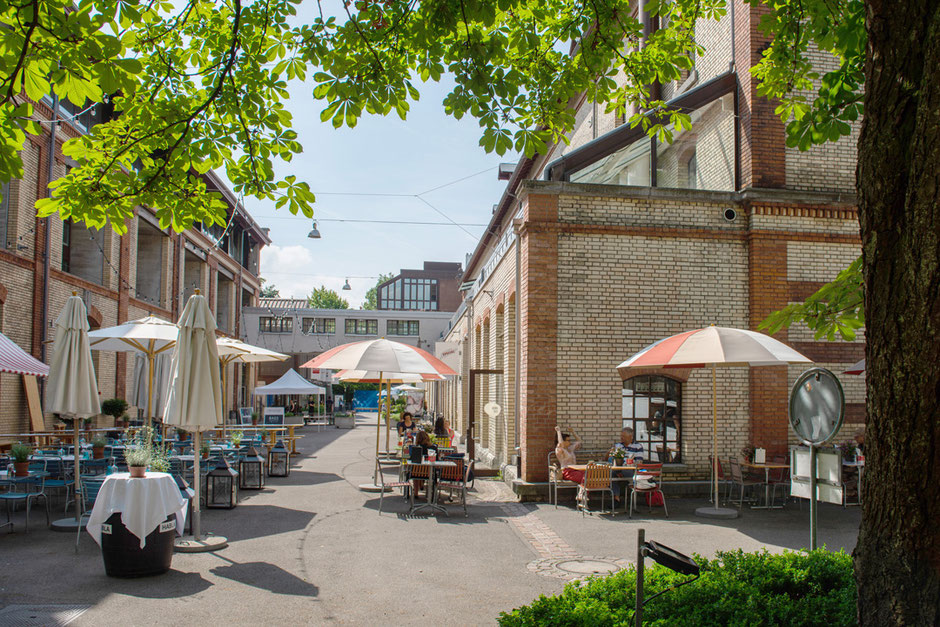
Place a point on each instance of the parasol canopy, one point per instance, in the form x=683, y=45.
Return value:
x=15, y=360
x=380, y=355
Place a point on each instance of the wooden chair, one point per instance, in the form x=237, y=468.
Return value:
x=647, y=480
x=596, y=479
x=457, y=478
x=408, y=491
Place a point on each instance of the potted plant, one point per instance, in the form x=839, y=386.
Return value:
x=237, y=437
x=619, y=455
x=849, y=450
x=137, y=457
x=254, y=417
x=97, y=446
x=204, y=450
x=20, y=453
x=182, y=435
x=114, y=407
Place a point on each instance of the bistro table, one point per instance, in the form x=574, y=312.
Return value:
x=434, y=469
x=147, y=512
x=767, y=467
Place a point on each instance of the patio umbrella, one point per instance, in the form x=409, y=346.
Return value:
x=382, y=356
x=142, y=383
x=713, y=347
x=150, y=336
x=194, y=402
x=372, y=376
x=15, y=360
x=72, y=388
x=232, y=350
x=858, y=368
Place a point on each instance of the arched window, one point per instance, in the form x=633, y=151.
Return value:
x=652, y=407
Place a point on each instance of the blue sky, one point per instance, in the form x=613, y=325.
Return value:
x=382, y=155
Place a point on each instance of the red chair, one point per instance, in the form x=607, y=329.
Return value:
x=647, y=480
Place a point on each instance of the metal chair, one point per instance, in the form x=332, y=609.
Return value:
x=89, y=488
x=596, y=479
x=647, y=480
x=38, y=481
x=380, y=480
x=60, y=478
x=739, y=479
x=779, y=478
x=556, y=480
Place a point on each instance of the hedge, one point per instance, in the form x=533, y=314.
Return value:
x=736, y=588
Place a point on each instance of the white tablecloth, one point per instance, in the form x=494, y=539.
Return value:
x=143, y=504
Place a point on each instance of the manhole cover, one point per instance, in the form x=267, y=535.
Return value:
x=587, y=567
x=40, y=615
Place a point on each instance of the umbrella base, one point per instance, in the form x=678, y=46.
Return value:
x=68, y=525
x=722, y=513
x=371, y=487
x=189, y=544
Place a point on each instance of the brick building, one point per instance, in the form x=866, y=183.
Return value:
x=147, y=271
x=614, y=240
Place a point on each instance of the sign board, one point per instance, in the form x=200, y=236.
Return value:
x=450, y=353
x=274, y=416
x=829, y=488
x=817, y=406
x=245, y=414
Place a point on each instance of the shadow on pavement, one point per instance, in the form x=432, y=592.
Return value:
x=266, y=577
x=172, y=585
x=257, y=521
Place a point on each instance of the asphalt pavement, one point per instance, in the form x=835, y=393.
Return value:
x=312, y=549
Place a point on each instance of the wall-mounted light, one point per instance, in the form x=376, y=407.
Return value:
x=314, y=233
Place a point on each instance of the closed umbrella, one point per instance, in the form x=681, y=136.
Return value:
x=72, y=388
x=382, y=356
x=194, y=401
x=713, y=347
x=149, y=336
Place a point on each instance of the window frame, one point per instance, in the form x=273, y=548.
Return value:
x=310, y=325
x=278, y=324
x=412, y=328
x=370, y=326
x=670, y=398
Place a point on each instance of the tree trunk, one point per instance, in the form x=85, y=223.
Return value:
x=897, y=560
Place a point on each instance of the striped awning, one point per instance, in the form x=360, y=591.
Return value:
x=15, y=360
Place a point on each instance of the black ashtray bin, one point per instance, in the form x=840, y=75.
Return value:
x=123, y=556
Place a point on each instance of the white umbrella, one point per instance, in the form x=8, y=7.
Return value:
x=372, y=376
x=713, y=347
x=72, y=388
x=194, y=402
x=232, y=350
x=156, y=387
x=382, y=356
x=150, y=336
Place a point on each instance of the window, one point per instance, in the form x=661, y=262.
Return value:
x=319, y=326
x=402, y=327
x=409, y=294
x=362, y=327
x=276, y=324
x=652, y=408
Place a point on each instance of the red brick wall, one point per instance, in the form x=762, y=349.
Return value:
x=537, y=376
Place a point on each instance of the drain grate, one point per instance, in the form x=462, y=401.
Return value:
x=577, y=567
x=40, y=615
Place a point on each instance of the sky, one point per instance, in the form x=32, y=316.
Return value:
x=356, y=174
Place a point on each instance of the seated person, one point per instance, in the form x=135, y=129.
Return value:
x=564, y=451
x=633, y=452
x=441, y=430
x=423, y=440
x=406, y=425
x=860, y=440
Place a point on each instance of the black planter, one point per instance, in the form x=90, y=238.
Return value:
x=123, y=556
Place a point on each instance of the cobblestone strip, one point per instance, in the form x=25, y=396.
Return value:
x=547, y=543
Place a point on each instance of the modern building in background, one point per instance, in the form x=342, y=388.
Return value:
x=147, y=271
x=433, y=288
x=615, y=240
x=289, y=326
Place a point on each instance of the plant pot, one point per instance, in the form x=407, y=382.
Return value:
x=204, y=456
x=97, y=452
x=137, y=472
x=21, y=468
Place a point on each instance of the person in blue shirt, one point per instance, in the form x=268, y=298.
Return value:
x=633, y=451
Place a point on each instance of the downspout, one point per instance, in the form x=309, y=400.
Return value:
x=47, y=259
x=518, y=342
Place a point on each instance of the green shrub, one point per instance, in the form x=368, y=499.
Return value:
x=114, y=407
x=20, y=452
x=736, y=588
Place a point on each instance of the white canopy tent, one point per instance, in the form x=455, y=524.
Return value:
x=291, y=383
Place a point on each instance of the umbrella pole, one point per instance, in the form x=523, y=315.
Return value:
x=76, y=453
x=715, y=431
x=150, y=362
x=198, y=481
x=388, y=412
x=378, y=430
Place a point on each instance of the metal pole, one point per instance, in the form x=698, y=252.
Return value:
x=378, y=431
x=812, y=496
x=197, y=530
x=75, y=454
x=715, y=433
x=638, y=611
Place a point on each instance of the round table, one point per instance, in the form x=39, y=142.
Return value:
x=135, y=521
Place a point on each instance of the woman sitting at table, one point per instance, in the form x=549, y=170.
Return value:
x=406, y=425
x=443, y=430
x=564, y=451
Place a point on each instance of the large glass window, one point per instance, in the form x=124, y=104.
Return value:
x=652, y=408
x=402, y=327
x=276, y=324
x=702, y=158
x=319, y=326
x=362, y=327
x=410, y=294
